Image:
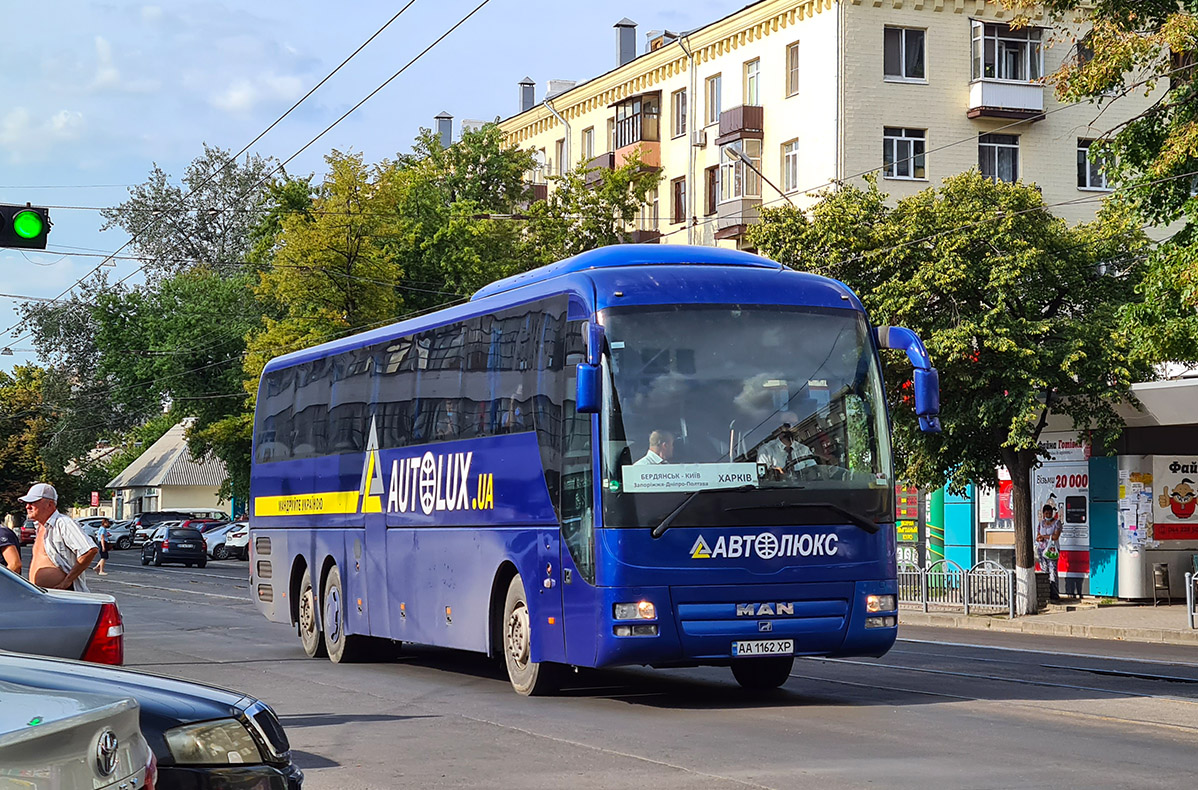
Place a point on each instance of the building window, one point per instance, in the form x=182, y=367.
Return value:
x=1091, y=171
x=737, y=180
x=678, y=111
x=648, y=215
x=998, y=157
x=611, y=134
x=753, y=83
x=588, y=144
x=903, y=153
x=559, y=155
x=711, y=180
x=792, y=69
x=712, y=115
x=903, y=55
x=790, y=166
x=678, y=203
x=1001, y=53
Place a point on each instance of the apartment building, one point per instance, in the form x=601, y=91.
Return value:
x=784, y=98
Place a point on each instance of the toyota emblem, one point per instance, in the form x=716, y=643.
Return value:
x=106, y=753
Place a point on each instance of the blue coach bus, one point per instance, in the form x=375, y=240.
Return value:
x=653, y=455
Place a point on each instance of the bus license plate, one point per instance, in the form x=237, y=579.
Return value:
x=764, y=647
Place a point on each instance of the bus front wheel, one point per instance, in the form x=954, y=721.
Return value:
x=342, y=647
x=762, y=674
x=309, y=631
x=528, y=677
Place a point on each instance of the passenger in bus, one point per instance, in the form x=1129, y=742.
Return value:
x=661, y=449
x=785, y=455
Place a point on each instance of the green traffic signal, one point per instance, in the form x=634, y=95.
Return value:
x=24, y=227
x=28, y=224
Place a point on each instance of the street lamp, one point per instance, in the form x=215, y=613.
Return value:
x=739, y=157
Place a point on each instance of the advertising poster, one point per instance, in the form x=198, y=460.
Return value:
x=1063, y=482
x=1175, y=485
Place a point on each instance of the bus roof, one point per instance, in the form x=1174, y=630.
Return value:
x=629, y=255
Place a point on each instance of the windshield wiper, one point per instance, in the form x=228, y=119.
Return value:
x=661, y=528
x=856, y=519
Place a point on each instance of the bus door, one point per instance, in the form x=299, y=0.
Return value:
x=579, y=596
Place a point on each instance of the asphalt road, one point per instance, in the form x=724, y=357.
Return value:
x=944, y=709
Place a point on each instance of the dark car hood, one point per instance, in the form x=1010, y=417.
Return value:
x=165, y=702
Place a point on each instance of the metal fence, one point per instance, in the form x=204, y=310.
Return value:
x=945, y=585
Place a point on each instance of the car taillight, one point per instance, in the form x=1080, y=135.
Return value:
x=107, y=643
x=204, y=544
x=166, y=544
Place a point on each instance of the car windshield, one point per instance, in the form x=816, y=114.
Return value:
x=757, y=407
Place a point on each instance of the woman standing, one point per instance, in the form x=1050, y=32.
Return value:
x=103, y=535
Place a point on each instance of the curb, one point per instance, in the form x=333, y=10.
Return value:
x=1032, y=625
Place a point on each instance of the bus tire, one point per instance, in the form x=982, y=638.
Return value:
x=309, y=629
x=529, y=678
x=342, y=648
x=762, y=674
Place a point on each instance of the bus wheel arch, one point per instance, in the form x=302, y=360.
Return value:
x=499, y=586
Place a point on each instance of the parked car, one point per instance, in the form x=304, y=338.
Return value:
x=201, y=736
x=120, y=535
x=237, y=541
x=216, y=537
x=143, y=523
x=169, y=543
x=199, y=523
x=52, y=739
x=28, y=532
x=60, y=623
x=208, y=527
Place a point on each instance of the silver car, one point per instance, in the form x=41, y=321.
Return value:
x=61, y=623
x=64, y=739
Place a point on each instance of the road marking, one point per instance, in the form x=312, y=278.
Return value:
x=147, y=569
x=188, y=593
x=1057, y=653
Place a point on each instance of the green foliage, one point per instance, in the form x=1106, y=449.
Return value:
x=580, y=216
x=23, y=429
x=1148, y=46
x=206, y=219
x=1019, y=311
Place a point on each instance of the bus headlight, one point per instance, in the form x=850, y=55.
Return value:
x=880, y=603
x=890, y=621
x=221, y=742
x=641, y=610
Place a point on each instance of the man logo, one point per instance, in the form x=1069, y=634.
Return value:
x=765, y=626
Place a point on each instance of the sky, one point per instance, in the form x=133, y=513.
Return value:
x=98, y=93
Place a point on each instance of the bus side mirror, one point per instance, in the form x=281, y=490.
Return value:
x=926, y=379
x=927, y=399
x=595, y=337
x=589, y=386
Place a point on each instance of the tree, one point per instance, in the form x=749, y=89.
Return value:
x=1151, y=46
x=1019, y=311
x=23, y=428
x=589, y=208
x=207, y=219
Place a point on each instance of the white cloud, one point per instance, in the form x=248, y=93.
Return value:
x=242, y=95
x=107, y=74
x=29, y=138
x=151, y=13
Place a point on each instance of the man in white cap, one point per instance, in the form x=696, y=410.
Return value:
x=61, y=552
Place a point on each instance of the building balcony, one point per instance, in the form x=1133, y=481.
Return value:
x=740, y=123
x=650, y=154
x=735, y=216
x=1001, y=99
x=596, y=166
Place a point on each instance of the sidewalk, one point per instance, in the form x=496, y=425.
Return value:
x=1131, y=622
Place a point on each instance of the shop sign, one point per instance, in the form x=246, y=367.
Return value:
x=1064, y=446
x=1175, y=500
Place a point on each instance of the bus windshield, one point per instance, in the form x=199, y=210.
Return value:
x=774, y=414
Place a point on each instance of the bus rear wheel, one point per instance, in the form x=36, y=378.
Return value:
x=529, y=678
x=762, y=674
x=342, y=647
x=309, y=631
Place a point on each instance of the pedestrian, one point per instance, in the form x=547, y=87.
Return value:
x=61, y=551
x=103, y=536
x=10, y=549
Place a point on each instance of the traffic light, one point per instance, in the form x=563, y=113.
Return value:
x=25, y=227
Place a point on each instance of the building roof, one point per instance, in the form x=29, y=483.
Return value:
x=168, y=462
